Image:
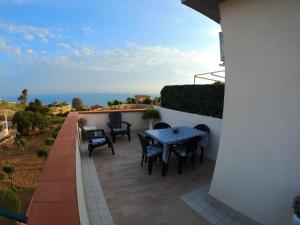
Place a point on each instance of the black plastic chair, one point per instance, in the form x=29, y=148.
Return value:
x=161, y=125
x=117, y=126
x=96, y=139
x=183, y=150
x=149, y=152
x=205, y=128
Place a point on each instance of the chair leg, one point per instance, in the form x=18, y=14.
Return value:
x=112, y=149
x=150, y=165
x=194, y=154
x=201, y=156
x=113, y=137
x=129, y=138
x=179, y=165
x=90, y=149
x=142, y=162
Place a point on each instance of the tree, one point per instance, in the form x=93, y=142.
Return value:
x=77, y=104
x=23, y=98
x=9, y=169
x=23, y=121
x=37, y=106
x=147, y=101
x=28, y=120
x=37, y=121
x=21, y=142
x=156, y=101
x=116, y=102
x=130, y=101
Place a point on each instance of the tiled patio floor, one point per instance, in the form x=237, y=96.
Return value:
x=134, y=197
x=213, y=210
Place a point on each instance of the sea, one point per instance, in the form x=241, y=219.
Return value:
x=87, y=98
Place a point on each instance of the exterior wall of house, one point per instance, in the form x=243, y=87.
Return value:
x=257, y=169
x=177, y=118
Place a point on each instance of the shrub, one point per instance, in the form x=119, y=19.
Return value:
x=9, y=200
x=43, y=151
x=37, y=106
x=147, y=101
x=21, y=142
x=49, y=141
x=1, y=127
x=54, y=133
x=9, y=169
x=199, y=99
x=115, y=102
x=296, y=206
x=2, y=176
x=96, y=106
x=82, y=121
x=151, y=114
x=65, y=114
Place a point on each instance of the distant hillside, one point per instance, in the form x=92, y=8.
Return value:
x=9, y=108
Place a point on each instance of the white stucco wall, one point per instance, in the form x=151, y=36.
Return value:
x=258, y=164
x=100, y=120
x=177, y=118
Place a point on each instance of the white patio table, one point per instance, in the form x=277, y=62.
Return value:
x=167, y=137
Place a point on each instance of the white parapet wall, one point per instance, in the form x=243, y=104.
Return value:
x=177, y=118
x=100, y=119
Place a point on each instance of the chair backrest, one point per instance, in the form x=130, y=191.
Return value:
x=192, y=144
x=115, y=118
x=202, y=127
x=143, y=141
x=161, y=125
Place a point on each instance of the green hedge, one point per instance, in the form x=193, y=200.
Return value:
x=198, y=99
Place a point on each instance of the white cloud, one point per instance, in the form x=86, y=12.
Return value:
x=29, y=32
x=88, y=29
x=74, y=52
x=28, y=37
x=134, y=68
x=15, y=2
x=213, y=30
x=9, y=49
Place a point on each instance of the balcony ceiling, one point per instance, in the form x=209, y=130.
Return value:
x=209, y=8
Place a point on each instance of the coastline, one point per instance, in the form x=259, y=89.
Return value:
x=87, y=98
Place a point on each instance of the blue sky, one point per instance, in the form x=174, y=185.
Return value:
x=130, y=46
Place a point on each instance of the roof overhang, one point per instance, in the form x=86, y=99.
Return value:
x=209, y=8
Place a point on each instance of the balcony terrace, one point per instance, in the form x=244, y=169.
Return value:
x=134, y=197
x=114, y=189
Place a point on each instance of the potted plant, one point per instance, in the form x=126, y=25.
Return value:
x=296, y=206
x=151, y=115
x=82, y=121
